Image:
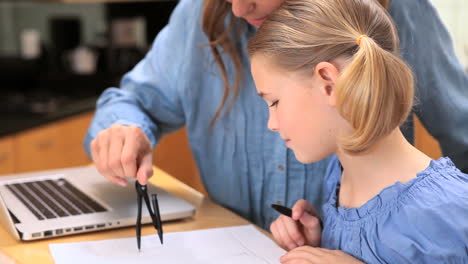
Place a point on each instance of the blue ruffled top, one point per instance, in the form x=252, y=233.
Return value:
x=422, y=221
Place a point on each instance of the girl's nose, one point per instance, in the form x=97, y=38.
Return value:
x=273, y=124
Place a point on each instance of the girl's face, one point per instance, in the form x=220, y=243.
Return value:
x=301, y=108
x=254, y=11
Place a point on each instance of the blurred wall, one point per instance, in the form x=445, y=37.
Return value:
x=454, y=14
x=15, y=17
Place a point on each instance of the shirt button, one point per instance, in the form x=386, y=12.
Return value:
x=279, y=202
x=281, y=167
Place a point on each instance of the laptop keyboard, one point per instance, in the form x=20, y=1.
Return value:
x=49, y=199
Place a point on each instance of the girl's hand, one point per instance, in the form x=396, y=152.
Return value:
x=121, y=152
x=302, y=229
x=314, y=255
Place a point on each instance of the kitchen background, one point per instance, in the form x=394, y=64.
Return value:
x=57, y=57
x=454, y=14
x=53, y=53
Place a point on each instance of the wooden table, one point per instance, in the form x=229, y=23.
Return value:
x=208, y=215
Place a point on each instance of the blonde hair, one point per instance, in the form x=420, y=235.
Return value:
x=222, y=39
x=375, y=90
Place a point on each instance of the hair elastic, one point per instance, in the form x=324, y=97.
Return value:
x=358, y=40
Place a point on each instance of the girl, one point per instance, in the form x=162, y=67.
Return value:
x=182, y=81
x=331, y=75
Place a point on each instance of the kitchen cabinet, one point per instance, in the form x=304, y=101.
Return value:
x=55, y=145
x=6, y=155
x=74, y=131
x=424, y=141
x=38, y=149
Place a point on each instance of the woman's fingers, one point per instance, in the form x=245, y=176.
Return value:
x=145, y=170
x=121, y=152
x=103, y=140
x=116, y=144
x=129, y=156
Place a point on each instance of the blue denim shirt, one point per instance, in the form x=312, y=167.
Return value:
x=244, y=166
x=441, y=101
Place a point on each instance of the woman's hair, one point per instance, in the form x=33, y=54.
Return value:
x=375, y=90
x=221, y=39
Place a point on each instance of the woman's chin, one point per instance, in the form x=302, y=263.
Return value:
x=256, y=22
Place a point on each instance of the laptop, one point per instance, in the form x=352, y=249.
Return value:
x=75, y=200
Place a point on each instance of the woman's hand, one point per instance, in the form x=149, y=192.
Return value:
x=121, y=152
x=314, y=255
x=302, y=229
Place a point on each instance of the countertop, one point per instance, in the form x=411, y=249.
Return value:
x=208, y=215
x=12, y=123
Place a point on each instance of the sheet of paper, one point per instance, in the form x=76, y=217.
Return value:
x=231, y=245
x=5, y=260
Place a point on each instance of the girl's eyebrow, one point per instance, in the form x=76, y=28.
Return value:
x=262, y=94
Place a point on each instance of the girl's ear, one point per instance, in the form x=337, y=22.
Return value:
x=327, y=75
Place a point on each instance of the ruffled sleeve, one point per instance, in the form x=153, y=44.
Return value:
x=430, y=223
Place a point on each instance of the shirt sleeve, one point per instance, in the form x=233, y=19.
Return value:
x=441, y=83
x=431, y=225
x=148, y=97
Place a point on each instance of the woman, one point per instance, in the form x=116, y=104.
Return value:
x=208, y=88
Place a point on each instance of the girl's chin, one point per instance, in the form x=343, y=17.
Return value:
x=306, y=158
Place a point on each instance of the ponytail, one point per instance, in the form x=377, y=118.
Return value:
x=385, y=3
x=374, y=91
x=374, y=94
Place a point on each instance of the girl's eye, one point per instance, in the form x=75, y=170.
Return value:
x=275, y=103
